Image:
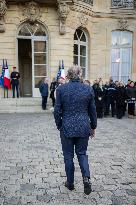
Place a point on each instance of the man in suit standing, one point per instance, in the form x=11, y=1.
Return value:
x=44, y=93
x=15, y=76
x=75, y=117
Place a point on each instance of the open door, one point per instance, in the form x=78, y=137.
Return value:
x=25, y=67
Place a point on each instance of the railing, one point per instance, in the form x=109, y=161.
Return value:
x=122, y=4
x=88, y=1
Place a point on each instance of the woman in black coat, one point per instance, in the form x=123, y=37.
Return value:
x=99, y=99
x=52, y=91
x=120, y=100
x=131, y=99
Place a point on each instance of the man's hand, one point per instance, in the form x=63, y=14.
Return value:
x=92, y=133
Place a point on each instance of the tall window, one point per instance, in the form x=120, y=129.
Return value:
x=88, y=1
x=80, y=51
x=123, y=3
x=121, y=55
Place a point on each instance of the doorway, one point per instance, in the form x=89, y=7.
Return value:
x=25, y=67
x=32, y=58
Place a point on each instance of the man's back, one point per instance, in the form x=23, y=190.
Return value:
x=75, y=101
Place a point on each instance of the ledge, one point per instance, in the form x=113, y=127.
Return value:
x=48, y=2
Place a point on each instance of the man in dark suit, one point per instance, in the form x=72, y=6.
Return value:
x=44, y=93
x=15, y=76
x=75, y=117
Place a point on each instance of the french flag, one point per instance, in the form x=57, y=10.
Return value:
x=7, y=77
x=62, y=76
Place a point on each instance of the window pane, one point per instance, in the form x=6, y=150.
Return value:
x=39, y=46
x=76, y=60
x=83, y=72
x=38, y=81
x=125, y=72
x=115, y=70
x=40, y=70
x=75, y=36
x=126, y=38
x=40, y=32
x=82, y=61
x=24, y=31
x=125, y=68
x=115, y=55
x=116, y=35
x=79, y=33
x=83, y=38
x=83, y=50
x=75, y=49
x=39, y=58
x=126, y=54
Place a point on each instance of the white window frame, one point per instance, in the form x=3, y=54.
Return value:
x=120, y=47
x=82, y=43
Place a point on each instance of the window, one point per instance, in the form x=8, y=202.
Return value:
x=123, y=3
x=80, y=51
x=88, y=1
x=121, y=55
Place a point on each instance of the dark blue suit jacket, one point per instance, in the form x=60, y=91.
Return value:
x=43, y=89
x=75, y=112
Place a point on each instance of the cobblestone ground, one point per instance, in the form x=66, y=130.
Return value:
x=32, y=169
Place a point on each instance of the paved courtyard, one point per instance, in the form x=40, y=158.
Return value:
x=32, y=169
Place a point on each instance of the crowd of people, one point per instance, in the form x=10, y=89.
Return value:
x=111, y=98
x=115, y=95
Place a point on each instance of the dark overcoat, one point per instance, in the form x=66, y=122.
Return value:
x=44, y=89
x=75, y=111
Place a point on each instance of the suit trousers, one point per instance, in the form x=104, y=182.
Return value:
x=15, y=86
x=111, y=101
x=44, y=102
x=80, y=146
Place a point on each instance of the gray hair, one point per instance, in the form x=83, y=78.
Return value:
x=74, y=72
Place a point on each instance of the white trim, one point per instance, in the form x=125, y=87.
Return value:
x=120, y=47
x=82, y=43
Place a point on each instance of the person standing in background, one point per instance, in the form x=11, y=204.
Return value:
x=52, y=90
x=44, y=93
x=15, y=76
x=99, y=99
x=131, y=99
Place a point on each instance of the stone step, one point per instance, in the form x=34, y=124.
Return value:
x=23, y=105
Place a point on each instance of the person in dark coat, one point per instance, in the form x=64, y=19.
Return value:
x=52, y=90
x=120, y=100
x=106, y=107
x=131, y=99
x=44, y=93
x=95, y=85
x=99, y=99
x=15, y=76
x=111, y=95
x=75, y=117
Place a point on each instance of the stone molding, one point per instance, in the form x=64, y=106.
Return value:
x=3, y=9
x=82, y=8
x=32, y=12
x=123, y=24
x=63, y=11
x=83, y=20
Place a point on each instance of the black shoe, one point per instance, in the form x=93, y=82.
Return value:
x=87, y=186
x=69, y=186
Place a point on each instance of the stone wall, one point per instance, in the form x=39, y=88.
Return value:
x=98, y=24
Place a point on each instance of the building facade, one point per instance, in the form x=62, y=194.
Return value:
x=99, y=36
